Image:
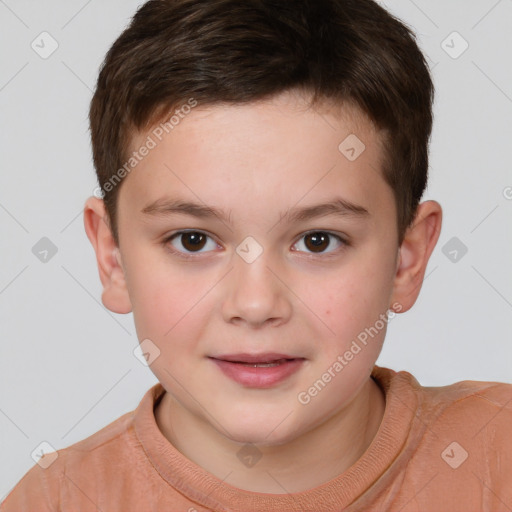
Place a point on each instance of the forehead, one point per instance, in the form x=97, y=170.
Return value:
x=283, y=147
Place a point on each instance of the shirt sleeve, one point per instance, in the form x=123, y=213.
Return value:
x=37, y=491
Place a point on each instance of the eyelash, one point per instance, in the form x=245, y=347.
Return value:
x=191, y=256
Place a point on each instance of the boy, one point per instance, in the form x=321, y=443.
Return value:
x=261, y=165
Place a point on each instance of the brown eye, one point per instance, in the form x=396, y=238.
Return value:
x=187, y=242
x=193, y=241
x=319, y=241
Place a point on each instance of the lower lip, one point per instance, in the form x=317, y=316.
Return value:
x=260, y=376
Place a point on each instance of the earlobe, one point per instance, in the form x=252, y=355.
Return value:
x=115, y=295
x=417, y=246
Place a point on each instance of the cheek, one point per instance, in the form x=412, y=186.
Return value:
x=164, y=299
x=353, y=303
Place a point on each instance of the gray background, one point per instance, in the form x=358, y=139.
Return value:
x=67, y=367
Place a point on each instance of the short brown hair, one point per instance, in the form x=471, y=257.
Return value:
x=239, y=51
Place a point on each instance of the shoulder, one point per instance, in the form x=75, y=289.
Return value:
x=459, y=446
x=482, y=400
x=471, y=407
x=466, y=441
x=436, y=401
x=476, y=416
x=44, y=484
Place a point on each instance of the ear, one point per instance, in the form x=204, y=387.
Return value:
x=115, y=293
x=414, y=253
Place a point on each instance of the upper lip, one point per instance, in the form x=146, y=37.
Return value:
x=265, y=357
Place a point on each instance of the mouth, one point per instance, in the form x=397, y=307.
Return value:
x=258, y=370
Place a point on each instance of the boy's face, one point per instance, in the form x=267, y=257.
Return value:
x=260, y=281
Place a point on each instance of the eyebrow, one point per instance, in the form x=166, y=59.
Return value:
x=340, y=207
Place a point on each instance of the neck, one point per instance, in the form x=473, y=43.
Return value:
x=305, y=462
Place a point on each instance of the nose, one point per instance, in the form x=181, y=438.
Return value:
x=255, y=294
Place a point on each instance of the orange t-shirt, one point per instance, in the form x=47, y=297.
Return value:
x=437, y=449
